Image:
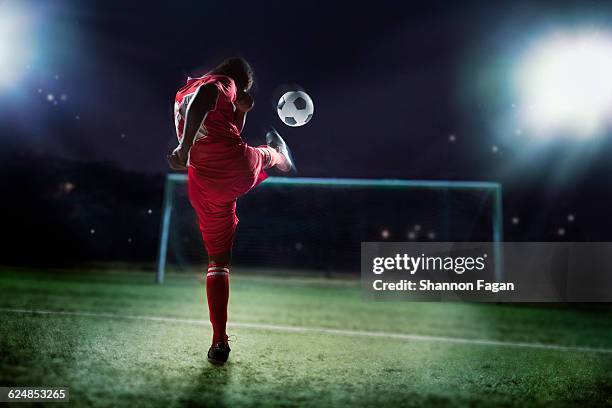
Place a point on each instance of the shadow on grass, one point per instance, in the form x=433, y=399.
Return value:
x=209, y=387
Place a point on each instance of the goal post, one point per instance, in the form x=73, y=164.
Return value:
x=483, y=206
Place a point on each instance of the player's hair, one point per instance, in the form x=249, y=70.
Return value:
x=238, y=69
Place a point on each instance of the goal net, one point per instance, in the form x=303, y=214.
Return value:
x=318, y=224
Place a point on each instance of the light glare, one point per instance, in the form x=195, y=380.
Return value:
x=565, y=84
x=15, y=45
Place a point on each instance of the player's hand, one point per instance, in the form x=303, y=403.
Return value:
x=178, y=158
x=244, y=102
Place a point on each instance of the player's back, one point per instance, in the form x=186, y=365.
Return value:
x=218, y=152
x=220, y=124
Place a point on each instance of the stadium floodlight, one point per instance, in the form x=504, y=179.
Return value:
x=15, y=43
x=319, y=223
x=565, y=86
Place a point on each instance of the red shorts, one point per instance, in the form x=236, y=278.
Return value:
x=218, y=174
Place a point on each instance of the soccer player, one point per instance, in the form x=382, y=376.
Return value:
x=209, y=114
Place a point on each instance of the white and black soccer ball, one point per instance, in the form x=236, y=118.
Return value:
x=295, y=108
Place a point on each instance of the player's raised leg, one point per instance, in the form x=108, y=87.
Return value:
x=277, y=152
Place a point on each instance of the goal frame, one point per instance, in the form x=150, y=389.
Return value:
x=492, y=188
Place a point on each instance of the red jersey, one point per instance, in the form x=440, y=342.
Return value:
x=220, y=121
x=226, y=166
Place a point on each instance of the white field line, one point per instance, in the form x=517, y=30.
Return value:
x=321, y=330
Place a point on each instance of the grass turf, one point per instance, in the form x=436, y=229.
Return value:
x=119, y=362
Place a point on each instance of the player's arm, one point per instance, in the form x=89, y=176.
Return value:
x=244, y=103
x=203, y=102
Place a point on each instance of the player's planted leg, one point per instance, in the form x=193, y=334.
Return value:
x=275, y=141
x=217, y=294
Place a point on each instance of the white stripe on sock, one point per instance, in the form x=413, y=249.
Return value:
x=218, y=268
x=216, y=273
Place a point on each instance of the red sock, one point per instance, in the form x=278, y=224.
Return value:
x=217, y=293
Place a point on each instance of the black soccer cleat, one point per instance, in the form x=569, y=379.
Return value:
x=218, y=353
x=275, y=141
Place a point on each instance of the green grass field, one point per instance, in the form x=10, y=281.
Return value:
x=110, y=352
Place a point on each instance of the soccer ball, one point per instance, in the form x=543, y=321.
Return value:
x=295, y=108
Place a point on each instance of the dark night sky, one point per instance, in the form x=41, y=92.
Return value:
x=390, y=82
x=386, y=80
x=380, y=80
